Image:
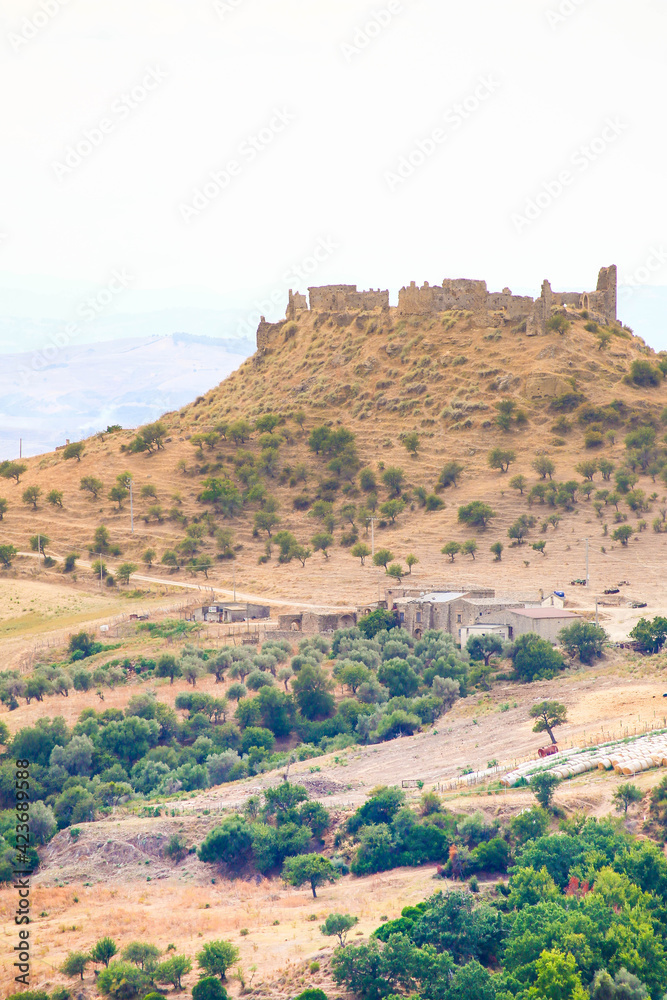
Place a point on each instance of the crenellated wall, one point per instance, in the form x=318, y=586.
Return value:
x=461, y=293
x=346, y=298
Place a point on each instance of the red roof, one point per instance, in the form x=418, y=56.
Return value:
x=543, y=613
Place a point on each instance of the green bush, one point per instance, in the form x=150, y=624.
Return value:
x=122, y=981
x=208, y=989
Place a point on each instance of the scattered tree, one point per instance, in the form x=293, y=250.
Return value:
x=75, y=964
x=12, y=470
x=89, y=484
x=450, y=475
x=451, y=549
x=483, y=647
x=543, y=785
x=623, y=534
x=627, y=795
x=322, y=542
x=339, y=925
x=125, y=571
x=360, y=551
x=393, y=479
x=31, y=495
x=544, y=466
x=501, y=458
x=7, y=553
x=216, y=957
x=103, y=951
x=476, y=514
x=548, y=714
x=312, y=869
x=583, y=639
x=411, y=442
x=650, y=635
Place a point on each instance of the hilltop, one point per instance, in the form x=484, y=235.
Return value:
x=568, y=393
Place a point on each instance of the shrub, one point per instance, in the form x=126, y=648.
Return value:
x=535, y=658
x=558, y=324
x=643, y=373
x=122, y=981
x=208, y=988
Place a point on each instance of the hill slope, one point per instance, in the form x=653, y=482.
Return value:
x=382, y=377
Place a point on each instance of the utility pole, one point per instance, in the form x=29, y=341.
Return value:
x=597, y=620
x=131, y=510
x=234, y=583
x=100, y=558
x=588, y=579
x=20, y=447
x=373, y=520
x=39, y=550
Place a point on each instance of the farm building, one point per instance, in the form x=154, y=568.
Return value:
x=230, y=612
x=314, y=622
x=452, y=611
x=545, y=622
x=491, y=628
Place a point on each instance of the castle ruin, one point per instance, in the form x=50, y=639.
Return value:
x=487, y=308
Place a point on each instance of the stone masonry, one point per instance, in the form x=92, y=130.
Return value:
x=487, y=308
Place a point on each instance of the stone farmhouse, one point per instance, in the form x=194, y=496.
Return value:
x=488, y=309
x=462, y=613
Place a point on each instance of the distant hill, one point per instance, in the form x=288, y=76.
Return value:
x=86, y=387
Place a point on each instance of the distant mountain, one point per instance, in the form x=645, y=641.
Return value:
x=75, y=391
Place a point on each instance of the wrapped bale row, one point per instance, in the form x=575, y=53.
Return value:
x=625, y=758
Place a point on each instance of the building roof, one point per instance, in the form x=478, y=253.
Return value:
x=440, y=597
x=489, y=602
x=543, y=613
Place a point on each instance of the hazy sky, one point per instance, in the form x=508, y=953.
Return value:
x=198, y=152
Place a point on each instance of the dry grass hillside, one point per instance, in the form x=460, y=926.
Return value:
x=382, y=377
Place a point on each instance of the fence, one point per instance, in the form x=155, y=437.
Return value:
x=582, y=741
